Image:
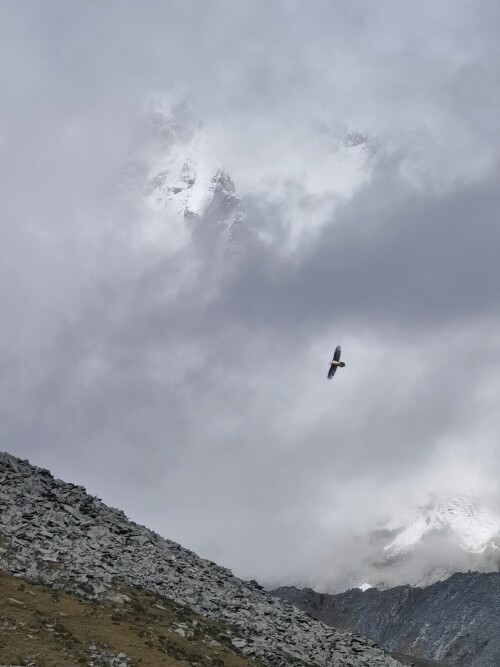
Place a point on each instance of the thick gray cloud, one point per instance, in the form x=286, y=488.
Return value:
x=192, y=393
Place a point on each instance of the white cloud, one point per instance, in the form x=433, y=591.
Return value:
x=192, y=392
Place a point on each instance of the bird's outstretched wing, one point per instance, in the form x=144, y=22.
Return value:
x=331, y=372
x=336, y=357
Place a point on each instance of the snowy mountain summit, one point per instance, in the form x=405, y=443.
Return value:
x=177, y=183
x=468, y=522
x=450, y=533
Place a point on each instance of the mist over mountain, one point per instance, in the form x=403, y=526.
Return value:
x=174, y=172
x=450, y=533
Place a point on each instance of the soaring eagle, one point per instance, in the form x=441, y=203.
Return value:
x=335, y=363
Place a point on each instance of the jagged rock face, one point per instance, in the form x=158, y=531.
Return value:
x=454, y=621
x=55, y=533
x=176, y=178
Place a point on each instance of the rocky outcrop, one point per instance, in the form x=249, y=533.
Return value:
x=55, y=533
x=455, y=621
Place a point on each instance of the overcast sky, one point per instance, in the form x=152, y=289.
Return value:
x=193, y=394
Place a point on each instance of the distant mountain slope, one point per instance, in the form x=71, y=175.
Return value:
x=455, y=621
x=54, y=533
x=412, y=661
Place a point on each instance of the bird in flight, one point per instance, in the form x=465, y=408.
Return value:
x=335, y=363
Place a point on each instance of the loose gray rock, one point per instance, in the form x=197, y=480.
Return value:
x=55, y=533
x=101, y=657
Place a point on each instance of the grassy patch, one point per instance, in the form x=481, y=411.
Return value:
x=56, y=629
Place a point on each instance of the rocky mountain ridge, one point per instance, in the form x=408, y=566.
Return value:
x=454, y=621
x=55, y=533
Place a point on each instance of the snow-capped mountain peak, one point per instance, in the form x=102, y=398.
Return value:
x=469, y=522
x=181, y=168
x=176, y=180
